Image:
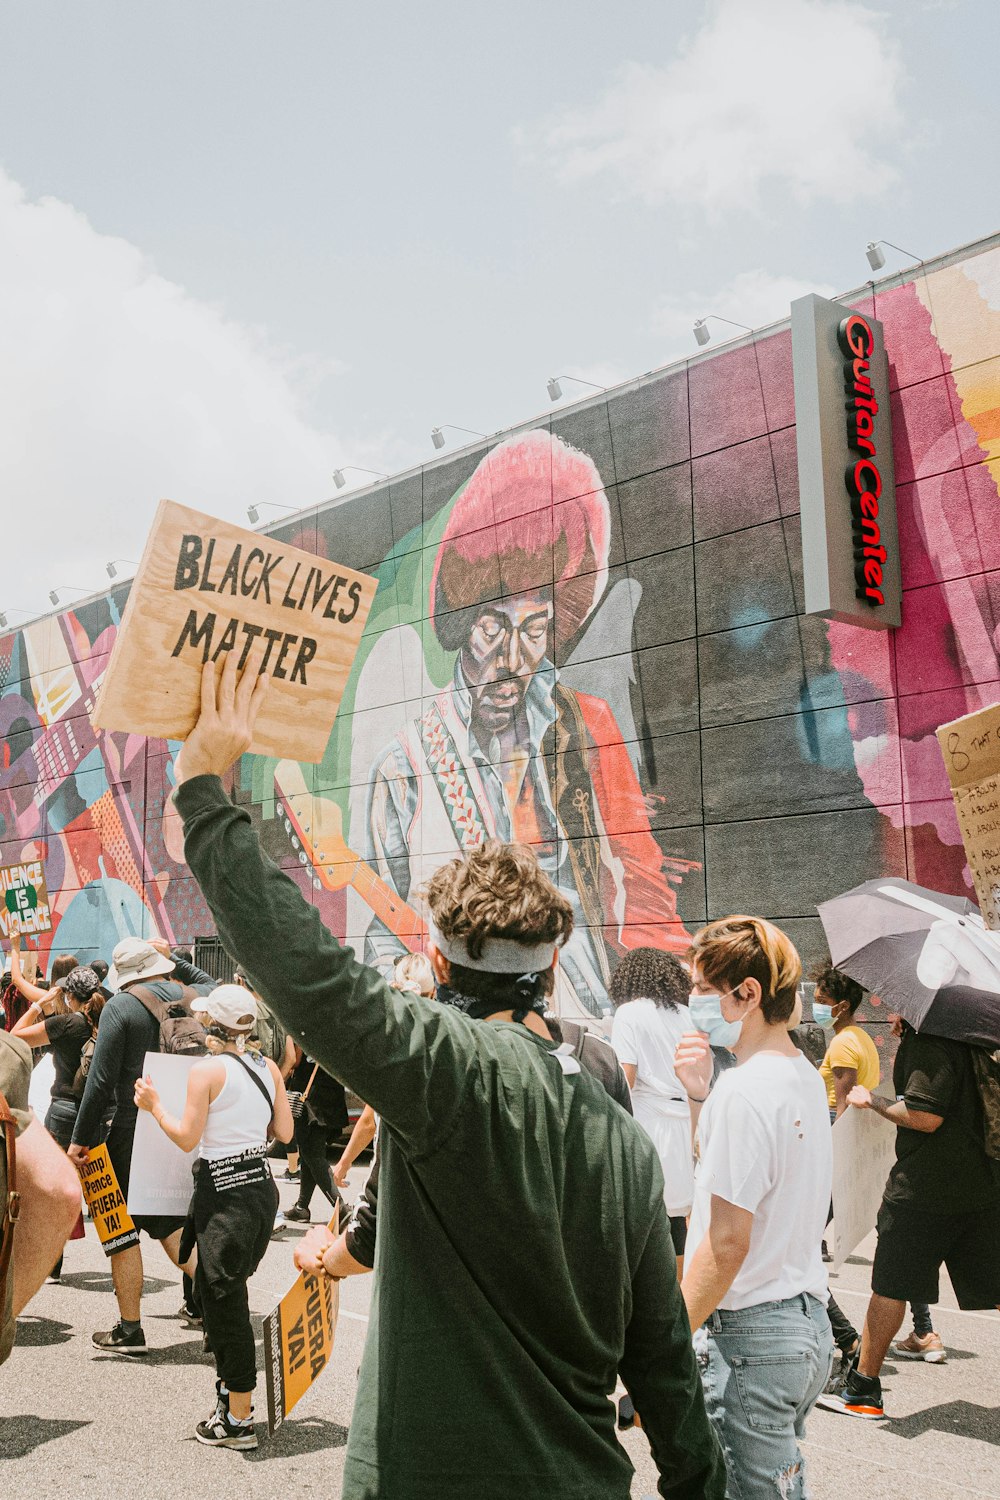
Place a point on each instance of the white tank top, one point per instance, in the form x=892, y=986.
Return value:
x=239, y=1116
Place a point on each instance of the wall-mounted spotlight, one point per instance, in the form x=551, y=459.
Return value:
x=876, y=259
x=253, y=511
x=73, y=589
x=438, y=438
x=554, y=388
x=14, y=610
x=340, y=481
x=112, y=567
x=703, y=334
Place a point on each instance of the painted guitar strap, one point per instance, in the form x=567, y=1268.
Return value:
x=446, y=767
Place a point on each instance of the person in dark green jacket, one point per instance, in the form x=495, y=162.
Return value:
x=524, y=1255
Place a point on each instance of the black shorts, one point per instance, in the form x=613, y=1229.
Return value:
x=679, y=1233
x=157, y=1226
x=914, y=1244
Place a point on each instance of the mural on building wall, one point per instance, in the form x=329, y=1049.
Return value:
x=586, y=636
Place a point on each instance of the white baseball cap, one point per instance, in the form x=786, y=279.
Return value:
x=229, y=1004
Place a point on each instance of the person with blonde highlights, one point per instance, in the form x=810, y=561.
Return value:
x=524, y=1254
x=755, y=1284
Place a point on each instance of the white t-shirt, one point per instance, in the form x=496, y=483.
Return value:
x=646, y=1035
x=765, y=1145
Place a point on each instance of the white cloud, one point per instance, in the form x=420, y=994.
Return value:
x=118, y=388
x=799, y=93
x=753, y=297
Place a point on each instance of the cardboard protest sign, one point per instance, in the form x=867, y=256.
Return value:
x=106, y=1202
x=24, y=900
x=298, y=1341
x=205, y=588
x=971, y=750
x=864, y=1149
x=160, y=1180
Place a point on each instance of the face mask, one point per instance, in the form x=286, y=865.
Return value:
x=706, y=1014
x=822, y=1014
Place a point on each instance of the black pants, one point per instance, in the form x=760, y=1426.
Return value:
x=230, y=1335
x=845, y=1335
x=314, y=1169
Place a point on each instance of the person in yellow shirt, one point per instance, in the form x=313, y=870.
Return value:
x=851, y=1057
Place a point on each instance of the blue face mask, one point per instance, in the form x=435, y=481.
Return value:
x=706, y=1014
x=822, y=1014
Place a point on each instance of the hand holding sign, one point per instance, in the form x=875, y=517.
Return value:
x=224, y=729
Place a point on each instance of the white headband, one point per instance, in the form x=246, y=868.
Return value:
x=499, y=955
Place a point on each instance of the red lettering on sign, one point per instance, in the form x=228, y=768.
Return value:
x=863, y=478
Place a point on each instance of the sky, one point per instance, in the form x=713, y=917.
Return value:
x=243, y=244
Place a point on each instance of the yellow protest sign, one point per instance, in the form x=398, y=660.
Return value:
x=298, y=1342
x=106, y=1202
x=205, y=589
x=24, y=900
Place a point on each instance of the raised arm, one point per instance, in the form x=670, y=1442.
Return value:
x=28, y=990
x=410, y=1059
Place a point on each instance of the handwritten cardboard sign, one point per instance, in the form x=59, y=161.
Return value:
x=298, y=1341
x=205, y=588
x=864, y=1149
x=971, y=750
x=106, y=1202
x=24, y=900
x=159, y=1179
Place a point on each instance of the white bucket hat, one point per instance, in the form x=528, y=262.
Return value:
x=135, y=958
x=230, y=1005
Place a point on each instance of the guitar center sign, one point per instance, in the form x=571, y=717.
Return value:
x=204, y=589
x=847, y=491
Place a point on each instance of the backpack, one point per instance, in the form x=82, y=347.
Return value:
x=270, y=1035
x=986, y=1067
x=86, y=1057
x=181, y=1034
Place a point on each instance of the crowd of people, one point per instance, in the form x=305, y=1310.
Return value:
x=547, y=1214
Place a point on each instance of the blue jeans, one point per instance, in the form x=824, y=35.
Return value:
x=762, y=1369
x=60, y=1119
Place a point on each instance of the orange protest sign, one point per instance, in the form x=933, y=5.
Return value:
x=106, y=1202
x=298, y=1342
x=205, y=589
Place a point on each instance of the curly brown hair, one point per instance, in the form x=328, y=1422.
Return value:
x=498, y=891
x=738, y=948
x=835, y=985
x=650, y=974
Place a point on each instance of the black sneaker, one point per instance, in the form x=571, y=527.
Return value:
x=856, y=1396
x=220, y=1431
x=840, y=1372
x=626, y=1414
x=119, y=1342
x=289, y=1176
x=297, y=1215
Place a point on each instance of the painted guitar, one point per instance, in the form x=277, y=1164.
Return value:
x=314, y=825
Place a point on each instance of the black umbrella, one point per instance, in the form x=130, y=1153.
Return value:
x=927, y=956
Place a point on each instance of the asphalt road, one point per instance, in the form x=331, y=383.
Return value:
x=74, y=1422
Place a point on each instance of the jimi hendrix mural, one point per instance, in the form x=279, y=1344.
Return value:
x=587, y=636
